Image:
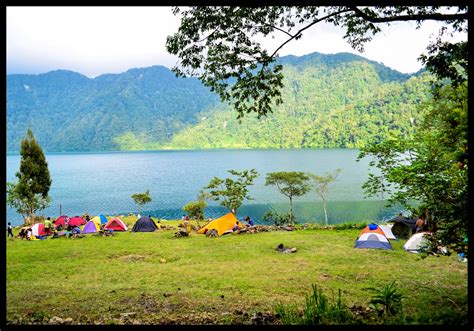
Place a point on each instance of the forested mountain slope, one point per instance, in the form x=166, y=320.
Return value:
x=340, y=100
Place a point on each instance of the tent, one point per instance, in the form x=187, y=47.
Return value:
x=100, y=219
x=90, y=227
x=38, y=230
x=116, y=224
x=61, y=220
x=144, y=224
x=388, y=232
x=76, y=221
x=372, y=236
x=417, y=242
x=403, y=227
x=221, y=224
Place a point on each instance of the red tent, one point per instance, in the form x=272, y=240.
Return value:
x=61, y=220
x=38, y=230
x=77, y=221
x=116, y=224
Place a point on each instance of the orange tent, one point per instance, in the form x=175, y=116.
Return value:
x=221, y=224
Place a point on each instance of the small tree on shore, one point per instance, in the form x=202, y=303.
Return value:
x=30, y=193
x=321, y=186
x=141, y=199
x=195, y=209
x=232, y=192
x=291, y=184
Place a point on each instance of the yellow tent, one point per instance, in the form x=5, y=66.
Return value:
x=96, y=220
x=221, y=224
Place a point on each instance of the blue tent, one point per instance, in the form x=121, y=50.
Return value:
x=103, y=219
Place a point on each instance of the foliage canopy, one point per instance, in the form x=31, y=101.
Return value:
x=219, y=44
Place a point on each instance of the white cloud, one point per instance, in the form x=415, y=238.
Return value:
x=97, y=40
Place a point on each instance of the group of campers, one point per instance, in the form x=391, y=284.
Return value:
x=68, y=231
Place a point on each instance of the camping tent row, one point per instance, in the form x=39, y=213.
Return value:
x=64, y=220
x=115, y=224
x=375, y=236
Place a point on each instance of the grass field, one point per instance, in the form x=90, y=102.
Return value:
x=154, y=278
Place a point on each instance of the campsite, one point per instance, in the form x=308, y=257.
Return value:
x=156, y=278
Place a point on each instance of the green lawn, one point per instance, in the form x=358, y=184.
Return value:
x=225, y=280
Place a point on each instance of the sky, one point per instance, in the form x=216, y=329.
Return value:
x=99, y=40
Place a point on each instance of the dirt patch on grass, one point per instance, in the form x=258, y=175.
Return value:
x=132, y=258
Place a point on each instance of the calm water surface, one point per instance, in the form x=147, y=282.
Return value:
x=103, y=182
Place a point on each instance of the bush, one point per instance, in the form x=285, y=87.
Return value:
x=317, y=310
x=277, y=219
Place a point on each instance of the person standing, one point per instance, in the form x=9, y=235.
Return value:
x=10, y=230
x=419, y=225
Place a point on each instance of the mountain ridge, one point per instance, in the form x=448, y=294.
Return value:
x=150, y=108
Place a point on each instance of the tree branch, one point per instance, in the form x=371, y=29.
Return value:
x=415, y=17
x=307, y=27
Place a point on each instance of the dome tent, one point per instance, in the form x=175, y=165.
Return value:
x=90, y=227
x=144, y=224
x=76, y=221
x=372, y=236
x=417, y=243
x=116, y=224
x=61, y=220
x=99, y=219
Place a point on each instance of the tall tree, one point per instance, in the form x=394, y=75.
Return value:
x=291, y=184
x=30, y=193
x=219, y=44
x=321, y=186
x=232, y=192
x=141, y=199
x=430, y=167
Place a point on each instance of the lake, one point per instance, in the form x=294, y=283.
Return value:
x=104, y=182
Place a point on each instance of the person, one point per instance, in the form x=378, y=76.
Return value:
x=236, y=226
x=47, y=226
x=68, y=231
x=10, y=230
x=22, y=234
x=28, y=234
x=183, y=217
x=419, y=225
x=249, y=221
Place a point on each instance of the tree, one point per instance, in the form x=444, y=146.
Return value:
x=141, y=199
x=291, y=184
x=232, y=192
x=219, y=44
x=30, y=193
x=428, y=171
x=321, y=186
x=195, y=209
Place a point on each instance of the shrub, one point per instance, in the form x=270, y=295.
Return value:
x=317, y=310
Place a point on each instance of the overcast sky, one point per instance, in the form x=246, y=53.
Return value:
x=98, y=40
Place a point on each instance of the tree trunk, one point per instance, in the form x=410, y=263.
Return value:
x=325, y=212
x=291, y=210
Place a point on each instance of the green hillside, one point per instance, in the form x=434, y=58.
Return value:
x=345, y=106
x=340, y=100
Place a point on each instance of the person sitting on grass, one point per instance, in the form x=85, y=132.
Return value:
x=22, y=234
x=249, y=221
x=69, y=231
x=28, y=234
x=236, y=226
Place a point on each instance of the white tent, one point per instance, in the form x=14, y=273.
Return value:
x=416, y=242
x=388, y=232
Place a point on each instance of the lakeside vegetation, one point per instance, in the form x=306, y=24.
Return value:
x=154, y=278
